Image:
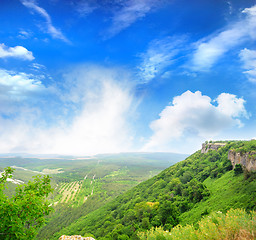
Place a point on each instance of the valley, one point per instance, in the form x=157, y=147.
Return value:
x=123, y=196
x=83, y=185
x=182, y=194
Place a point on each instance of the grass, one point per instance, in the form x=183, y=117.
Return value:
x=234, y=225
x=226, y=192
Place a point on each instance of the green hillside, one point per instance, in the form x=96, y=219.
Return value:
x=181, y=194
x=236, y=224
x=82, y=186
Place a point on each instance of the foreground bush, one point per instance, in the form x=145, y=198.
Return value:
x=23, y=214
x=234, y=225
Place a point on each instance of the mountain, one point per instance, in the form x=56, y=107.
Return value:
x=205, y=182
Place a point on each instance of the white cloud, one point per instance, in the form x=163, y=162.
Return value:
x=194, y=116
x=231, y=106
x=85, y=7
x=14, y=84
x=38, y=66
x=50, y=29
x=230, y=7
x=24, y=34
x=100, y=107
x=17, y=89
x=129, y=12
x=208, y=51
x=15, y=52
x=123, y=13
x=248, y=57
x=159, y=55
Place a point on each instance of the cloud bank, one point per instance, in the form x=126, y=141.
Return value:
x=193, y=115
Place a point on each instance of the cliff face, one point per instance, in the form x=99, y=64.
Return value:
x=211, y=146
x=247, y=160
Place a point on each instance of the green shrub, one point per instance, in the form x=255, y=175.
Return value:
x=235, y=224
x=238, y=169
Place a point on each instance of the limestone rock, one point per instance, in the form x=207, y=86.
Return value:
x=247, y=160
x=75, y=237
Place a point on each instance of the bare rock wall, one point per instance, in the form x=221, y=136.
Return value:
x=247, y=160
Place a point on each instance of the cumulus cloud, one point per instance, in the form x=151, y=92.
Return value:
x=49, y=28
x=248, y=57
x=15, y=52
x=210, y=50
x=160, y=54
x=129, y=12
x=231, y=106
x=193, y=115
x=95, y=117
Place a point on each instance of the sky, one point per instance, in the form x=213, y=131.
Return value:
x=83, y=77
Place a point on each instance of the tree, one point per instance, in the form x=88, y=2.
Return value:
x=23, y=214
x=168, y=213
x=238, y=169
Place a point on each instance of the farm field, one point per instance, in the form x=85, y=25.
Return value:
x=83, y=185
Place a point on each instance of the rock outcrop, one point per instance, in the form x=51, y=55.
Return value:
x=247, y=160
x=75, y=237
x=211, y=146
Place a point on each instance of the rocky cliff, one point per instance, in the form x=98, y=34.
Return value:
x=247, y=160
x=211, y=146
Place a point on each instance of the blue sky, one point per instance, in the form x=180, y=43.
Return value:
x=83, y=77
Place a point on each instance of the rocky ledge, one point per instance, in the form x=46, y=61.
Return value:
x=75, y=237
x=212, y=146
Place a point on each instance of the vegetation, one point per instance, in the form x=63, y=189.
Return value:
x=100, y=180
x=235, y=224
x=246, y=146
x=181, y=194
x=103, y=197
x=238, y=169
x=23, y=214
x=99, y=183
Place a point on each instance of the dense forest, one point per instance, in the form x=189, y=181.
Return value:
x=181, y=194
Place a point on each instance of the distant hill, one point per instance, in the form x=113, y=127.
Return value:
x=181, y=194
x=36, y=161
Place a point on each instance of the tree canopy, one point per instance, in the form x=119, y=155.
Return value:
x=23, y=214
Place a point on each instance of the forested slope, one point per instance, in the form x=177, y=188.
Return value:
x=87, y=185
x=180, y=194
